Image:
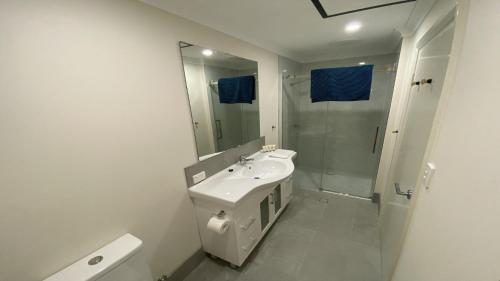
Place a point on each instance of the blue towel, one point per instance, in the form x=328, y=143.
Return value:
x=341, y=84
x=237, y=89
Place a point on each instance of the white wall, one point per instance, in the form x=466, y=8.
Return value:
x=96, y=130
x=455, y=227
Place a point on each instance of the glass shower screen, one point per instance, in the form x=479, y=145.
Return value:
x=338, y=143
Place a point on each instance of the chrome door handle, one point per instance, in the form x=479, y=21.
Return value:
x=375, y=140
x=408, y=193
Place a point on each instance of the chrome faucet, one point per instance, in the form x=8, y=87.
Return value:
x=244, y=159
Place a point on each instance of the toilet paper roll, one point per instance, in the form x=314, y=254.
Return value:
x=218, y=225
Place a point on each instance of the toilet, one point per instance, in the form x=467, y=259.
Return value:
x=120, y=260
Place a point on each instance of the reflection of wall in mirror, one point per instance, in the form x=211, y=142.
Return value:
x=200, y=107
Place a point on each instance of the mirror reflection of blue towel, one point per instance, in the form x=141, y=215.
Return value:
x=341, y=83
x=237, y=89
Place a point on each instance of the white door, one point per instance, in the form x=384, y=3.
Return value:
x=432, y=62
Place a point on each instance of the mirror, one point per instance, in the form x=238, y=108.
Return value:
x=223, y=95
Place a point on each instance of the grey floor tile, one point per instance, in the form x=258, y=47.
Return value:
x=366, y=234
x=284, y=228
x=285, y=247
x=306, y=212
x=265, y=272
x=363, y=263
x=365, y=228
x=367, y=213
x=324, y=262
x=213, y=270
x=338, y=220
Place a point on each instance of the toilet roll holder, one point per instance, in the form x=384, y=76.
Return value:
x=221, y=214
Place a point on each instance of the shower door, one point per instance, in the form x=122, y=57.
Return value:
x=338, y=143
x=353, y=138
x=303, y=131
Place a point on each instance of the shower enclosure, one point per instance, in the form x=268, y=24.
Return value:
x=338, y=143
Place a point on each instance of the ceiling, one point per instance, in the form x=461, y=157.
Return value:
x=295, y=29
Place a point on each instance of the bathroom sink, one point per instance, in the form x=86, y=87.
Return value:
x=263, y=169
x=234, y=183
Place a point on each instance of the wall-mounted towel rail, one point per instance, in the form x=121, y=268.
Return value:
x=213, y=83
x=308, y=77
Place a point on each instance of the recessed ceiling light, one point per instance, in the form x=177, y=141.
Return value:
x=207, y=52
x=353, y=27
x=362, y=63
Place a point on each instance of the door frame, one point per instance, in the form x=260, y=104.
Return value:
x=457, y=13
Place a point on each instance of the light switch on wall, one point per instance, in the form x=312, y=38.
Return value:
x=430, y=169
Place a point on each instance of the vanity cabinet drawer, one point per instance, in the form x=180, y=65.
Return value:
x=249, y=233
x=247, y=223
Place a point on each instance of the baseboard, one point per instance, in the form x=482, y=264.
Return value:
x=187, y=267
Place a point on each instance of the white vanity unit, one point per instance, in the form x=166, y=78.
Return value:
x=238, y=205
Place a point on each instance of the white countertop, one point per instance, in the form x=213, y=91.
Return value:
x=229, y=188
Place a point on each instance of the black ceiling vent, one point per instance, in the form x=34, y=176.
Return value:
x=324, y=15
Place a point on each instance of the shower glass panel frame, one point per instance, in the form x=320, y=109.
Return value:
x=338, y=143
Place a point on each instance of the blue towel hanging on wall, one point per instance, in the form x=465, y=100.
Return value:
x=236, y=89
x=341, y=83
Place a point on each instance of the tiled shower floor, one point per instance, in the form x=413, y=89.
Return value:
x=356, y=186
x=313, y=179
x=319, y=237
